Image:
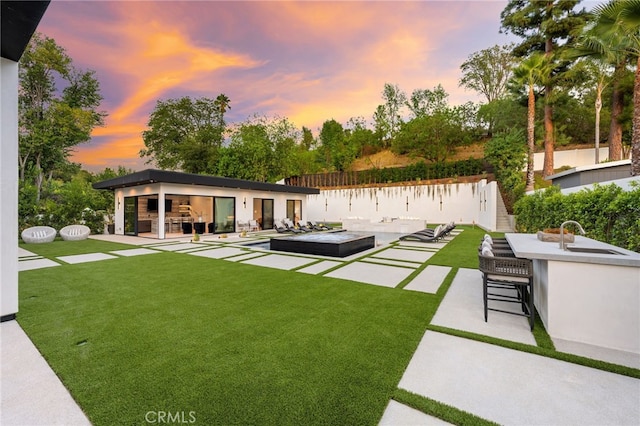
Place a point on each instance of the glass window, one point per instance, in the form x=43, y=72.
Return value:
x=224, y=209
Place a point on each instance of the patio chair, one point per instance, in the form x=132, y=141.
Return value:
x=507, y=279
x=38, y=234
x=75, y=232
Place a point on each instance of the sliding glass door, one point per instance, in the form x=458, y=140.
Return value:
x=131, y=215
x=267, y=213
x=294, y=210
x=224, y=212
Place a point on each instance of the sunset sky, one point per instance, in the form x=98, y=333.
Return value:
x=307, y=61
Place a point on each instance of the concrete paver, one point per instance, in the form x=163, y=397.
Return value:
x=382, y=275
x=391, y=262
x=280, y=261
x=134, y=252
x=243, y=257
x=462, y=308
x=83, y=258
x=319, y=267
x=27, y=265
x=405, y=255
x=219, y=253
x=514, y=387
x=397, y=414
x=180, y=246
x=429, y=279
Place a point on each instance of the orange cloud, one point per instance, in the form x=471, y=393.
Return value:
x=308, y=61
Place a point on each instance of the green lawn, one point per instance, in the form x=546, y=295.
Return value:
x=232, y=343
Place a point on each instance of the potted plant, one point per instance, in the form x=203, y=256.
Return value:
x=111, y=226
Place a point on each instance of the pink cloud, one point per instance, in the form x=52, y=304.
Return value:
x=308, y=61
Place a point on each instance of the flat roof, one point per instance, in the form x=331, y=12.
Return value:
x=164, y=176
x=605, y=165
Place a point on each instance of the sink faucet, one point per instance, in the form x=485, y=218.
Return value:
x=563, y=246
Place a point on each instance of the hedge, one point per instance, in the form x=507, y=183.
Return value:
x=606, y=212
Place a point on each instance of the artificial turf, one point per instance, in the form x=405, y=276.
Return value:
x=220, y=342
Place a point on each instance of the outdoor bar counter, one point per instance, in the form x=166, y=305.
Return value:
x=591, y=298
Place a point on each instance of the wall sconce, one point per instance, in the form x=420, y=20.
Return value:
x=118, y=202
x=407, y=203
x=244, y=201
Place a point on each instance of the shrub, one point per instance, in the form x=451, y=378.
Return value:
x=607, y=213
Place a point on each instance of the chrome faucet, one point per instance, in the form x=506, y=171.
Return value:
x=563, y=246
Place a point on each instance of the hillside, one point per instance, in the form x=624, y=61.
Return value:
x=387, y=158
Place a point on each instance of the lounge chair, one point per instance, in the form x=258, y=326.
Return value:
x=318, y=226
x=424, y=237
x=39, y=234
x=304, y=228
x=75, y=232
x=280, y=229
x=291, y=227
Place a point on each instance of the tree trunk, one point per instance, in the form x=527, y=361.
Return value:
x=598, y=109
x=531, y=142
x=39, y=179
x=635, y=138
x=549, y=136
x=615, y=131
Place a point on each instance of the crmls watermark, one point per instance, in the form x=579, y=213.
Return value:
x=166, y=417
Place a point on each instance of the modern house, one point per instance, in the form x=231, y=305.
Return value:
x=19, y=21
x=161, y=204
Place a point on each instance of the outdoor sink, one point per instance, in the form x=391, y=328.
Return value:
x=593, y=250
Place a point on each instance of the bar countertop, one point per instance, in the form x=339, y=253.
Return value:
x=530, y=247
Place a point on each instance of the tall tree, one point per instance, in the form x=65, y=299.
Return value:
x=389, y=113
x=548, y=26
x=331, y=143
x=185, y=134
x=52, y=122
x=530, y=73
x=428, y=102
x=619, y=21
x=488, y=72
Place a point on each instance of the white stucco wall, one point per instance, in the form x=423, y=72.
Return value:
x=472, y=203
x=572, y=157
x=8, y=187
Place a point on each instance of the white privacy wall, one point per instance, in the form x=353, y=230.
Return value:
x=471, y=203
x=8, y=187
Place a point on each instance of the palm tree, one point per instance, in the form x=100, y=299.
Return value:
x=620, y=21
x=530, y=73
x=222, y=103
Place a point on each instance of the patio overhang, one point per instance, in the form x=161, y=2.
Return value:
x=19, y=21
